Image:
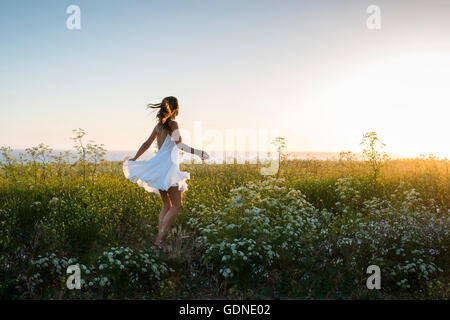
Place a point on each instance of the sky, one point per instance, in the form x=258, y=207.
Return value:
x=309, y=71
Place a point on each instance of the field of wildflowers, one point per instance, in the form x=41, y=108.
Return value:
x=309, y=233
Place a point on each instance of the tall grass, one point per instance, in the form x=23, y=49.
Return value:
x=84, y=213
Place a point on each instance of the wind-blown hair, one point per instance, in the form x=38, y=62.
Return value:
x=168, y=107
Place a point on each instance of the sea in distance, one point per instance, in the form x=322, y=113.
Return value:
x=215, y=156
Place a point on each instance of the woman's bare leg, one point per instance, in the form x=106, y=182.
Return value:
x=170, y=216
x=167, y=204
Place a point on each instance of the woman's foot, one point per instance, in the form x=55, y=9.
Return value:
x=160, y=244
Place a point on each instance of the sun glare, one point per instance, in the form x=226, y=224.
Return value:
x=405, y=99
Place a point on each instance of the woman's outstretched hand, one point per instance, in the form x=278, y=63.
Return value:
x=204, y=155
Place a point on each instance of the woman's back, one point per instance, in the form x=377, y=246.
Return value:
x=161, y=135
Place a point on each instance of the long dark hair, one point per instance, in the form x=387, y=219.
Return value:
x=167, y=107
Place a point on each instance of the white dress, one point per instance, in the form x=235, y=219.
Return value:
x=160, y=172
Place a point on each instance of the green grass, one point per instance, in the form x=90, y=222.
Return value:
x=93, y=214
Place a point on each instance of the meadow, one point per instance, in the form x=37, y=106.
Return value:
x=308, y=232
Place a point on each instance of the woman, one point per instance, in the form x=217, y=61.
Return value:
x=161, y=174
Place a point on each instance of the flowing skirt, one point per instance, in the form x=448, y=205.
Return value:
x=159, y=173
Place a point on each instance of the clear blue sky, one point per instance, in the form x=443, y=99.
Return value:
x=310, y=69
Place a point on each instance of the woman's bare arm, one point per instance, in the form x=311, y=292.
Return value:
x=176, y=137
x=146, y=144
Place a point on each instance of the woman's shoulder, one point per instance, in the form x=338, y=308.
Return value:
x=158, y=127
x=173, y=125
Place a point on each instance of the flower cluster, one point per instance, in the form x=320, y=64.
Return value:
x=267, y=225
x=49, y=271
x=122, y=269
x=262, y=224
x=115, y=271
